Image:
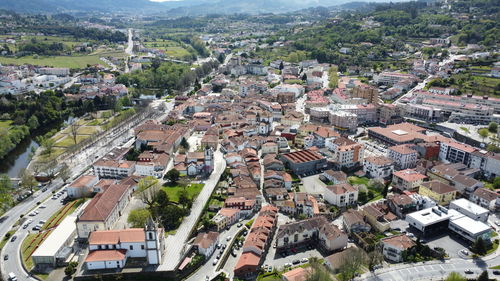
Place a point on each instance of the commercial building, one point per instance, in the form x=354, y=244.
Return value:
x=304, y=161
x=470, y=209
x=431, y=221
x=401, y=134
x=470, y=229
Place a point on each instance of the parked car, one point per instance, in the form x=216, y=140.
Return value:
x=13, y=238
x=215, y=262
x=43, y=206
x=239, y=224
x=288, y=264
x=295, y=262
x=228, y=238
x=5, y=257
x=25, y=226
x=465, y=252
x=304, y=260
x=496, y=272
x=468, y=271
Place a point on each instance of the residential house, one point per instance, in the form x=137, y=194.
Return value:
x=336, y=177
x=226, y=217
x=401, y=204
x=440, y=192
x=378, y=167
x=82, y=186
x=353, y=222
x=393, y=247
x=486, y=198
x=407, y=180
x=341, y=195
x=206, y=243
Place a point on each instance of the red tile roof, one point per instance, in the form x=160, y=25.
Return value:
x=106, y=255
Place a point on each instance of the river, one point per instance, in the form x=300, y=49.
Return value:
x=18, y=158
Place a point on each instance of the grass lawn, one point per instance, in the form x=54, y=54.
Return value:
x=29, y=245
x=68, y=141
x=378, y=197
x=357, y=180
x=95, y=122
x=75, y=61
x=192, y=189
x=57, y=217
x=493, y=248
x=465, y=129
x=5, y=123
x=269, y=277
x=87, y=130
x=495, y=267
x=6, y=238
x=42, y=276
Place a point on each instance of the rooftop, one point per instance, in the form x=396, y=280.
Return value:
x=303, y=156
x=465, y=204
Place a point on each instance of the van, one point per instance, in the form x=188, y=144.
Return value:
x=12, y=276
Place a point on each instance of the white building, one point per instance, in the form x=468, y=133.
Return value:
x=470, y=209
x=152, y=164
x=341, y=195
x=113, y=169
x=206, y=242
x=110, y=249
x=404, y=157
x=393, y=247
x=378, y=167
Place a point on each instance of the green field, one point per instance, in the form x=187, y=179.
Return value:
x=87, y=130
x=75, y=61
x=192, y=189
x=5, y=123
x=172, y=48
x=68, y=141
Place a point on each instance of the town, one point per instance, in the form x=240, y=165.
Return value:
x=243, y=154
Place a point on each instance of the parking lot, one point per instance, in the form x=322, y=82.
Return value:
x=313, y=185
x=450, y=243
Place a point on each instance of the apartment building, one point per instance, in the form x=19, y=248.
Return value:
x=404, y=156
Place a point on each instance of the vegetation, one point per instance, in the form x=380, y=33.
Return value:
x=454, y=276
x=179, y=193
x=173, y=175
x=137, y=218
x=6, y=199
x=70, y=269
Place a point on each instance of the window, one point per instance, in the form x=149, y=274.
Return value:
x=131, y=247
x=150, y=235
x=142, y=247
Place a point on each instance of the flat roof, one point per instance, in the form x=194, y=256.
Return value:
x=55, y=241
x=433, y=215
x=469, y=206
x=471, y=226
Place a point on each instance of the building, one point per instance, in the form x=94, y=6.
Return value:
x=317, y=229
x=401, y=134
x=375, y=215
x=257, y=243
x=152, y=164
x=341, y=195
x=485, y=198
x=353, y=222
x=404, y=156
x=82, y=186
x=110, y=249
x=59, y=71
x=394, y=246
x=346, y=152
x=226, y=217
x=456, y=152
x=440, y=192
x=470, y=209
x=335, y=177
x=401, y=204
x=378, y=167
x=297, y=274
x=113, y=169
x=304, y=161
x=103, y=210
x=57, y=247
x=391, y=78
x=343, y=120
x=431, y=221
x=206, y=243
x=366, y=92
x=407, y=180
x=470, y=229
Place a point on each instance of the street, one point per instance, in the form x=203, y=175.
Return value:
x=176, y=243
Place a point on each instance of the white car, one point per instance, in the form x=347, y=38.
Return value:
x=215, y=261
x=304, y=260
x=42, y=207
x=228, y=238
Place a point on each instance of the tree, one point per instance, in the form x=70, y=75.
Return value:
x=70, y=269
x=27, y=180
x=386, y=189
x=148, y=189
x=184, y=198
x=137, y=218
x=374, y=257
x=6, y=199
x=318, y=272
x=483, y=133
x=33, y=122
x=479, y=246
x=454, y=276
x=73, y=130
x=173, y=175
x=362, y=197
x=493, y=127
x=351, y=263
x=496, y=182
x=64, y=173
x=48, y=146
x=184, y=144
x=484, y=276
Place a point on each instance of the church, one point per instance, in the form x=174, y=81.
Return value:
x=110, y=249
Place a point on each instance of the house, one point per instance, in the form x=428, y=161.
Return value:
x=110, y=249
x=485, y=198
x=394, y=246
x=341, y=195
x=353, y=222
x=401, y=204
x=305, y=204
x=317, y=229
x=336, y=177
x=304, y=161
x=403, y=155
x=152, y=164
x=257, y=243
x=378, y=167
x=82, y=186
x=407, y=180
x=297, y=274
x=103, y=210
x=335, y=261
x=440, y=192
x=376, y=216
x=226, y=217
x=206, y=243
